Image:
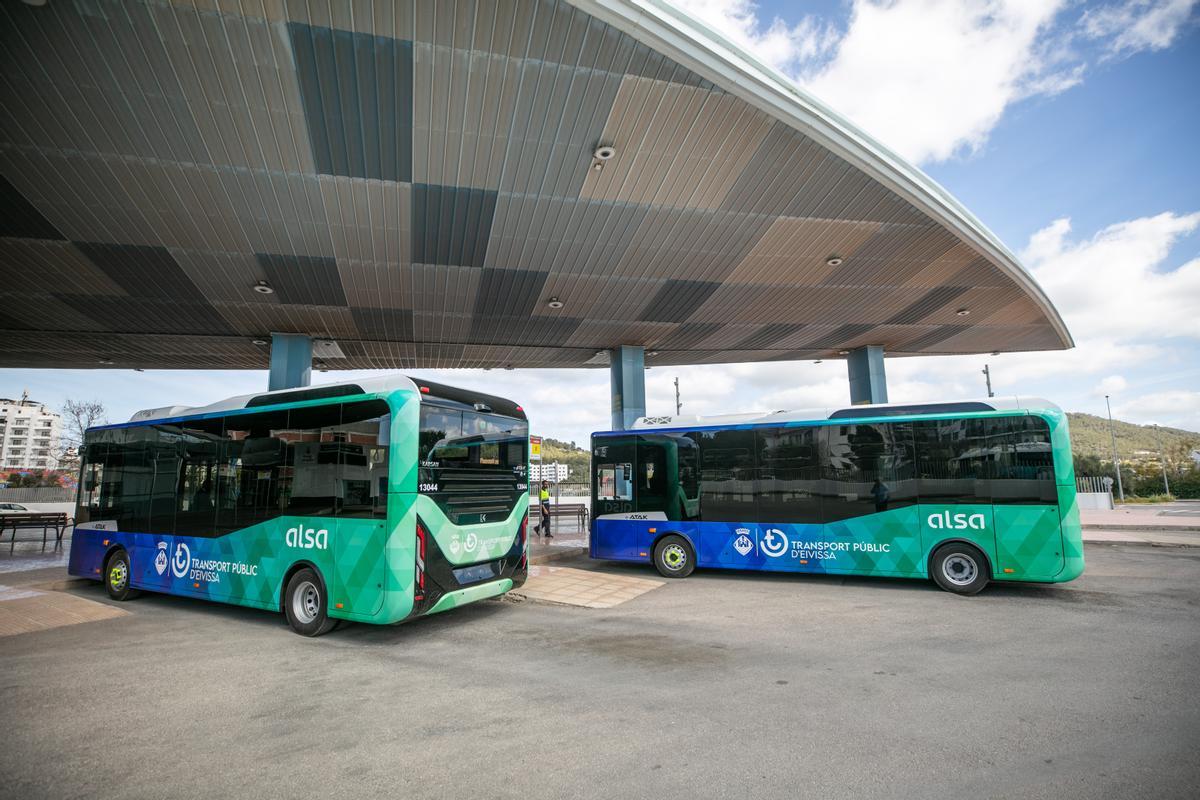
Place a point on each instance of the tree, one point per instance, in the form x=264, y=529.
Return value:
x=78, y=416
x=37, y=478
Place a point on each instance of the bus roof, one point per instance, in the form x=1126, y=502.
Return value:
x=870, y=411
x=371, y=386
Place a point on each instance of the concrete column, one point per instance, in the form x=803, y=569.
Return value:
x=868, y=383
x=627, y=385
x=291, y=361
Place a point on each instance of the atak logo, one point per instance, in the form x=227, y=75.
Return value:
x=160, y=560
x=182, y=560
x=958, y=522
x=308, y=538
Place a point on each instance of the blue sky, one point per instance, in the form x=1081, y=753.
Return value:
x=1068, y=127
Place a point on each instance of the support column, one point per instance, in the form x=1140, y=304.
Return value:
x=627, y=385
x=291, y=361
x=868, y=383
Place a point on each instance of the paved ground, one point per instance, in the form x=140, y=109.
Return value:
x=591, y=588
x=1181, y=514
x=720, y=685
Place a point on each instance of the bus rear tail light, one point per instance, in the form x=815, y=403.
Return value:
x=419, y=577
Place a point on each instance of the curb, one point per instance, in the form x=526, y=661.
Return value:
x=1143, y=528
x=1143, y=543
x=560, y=555
x=60, y=585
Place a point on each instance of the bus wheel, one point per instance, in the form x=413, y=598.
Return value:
x=304, y=604
x=960, y=568
x=673, y=557
x=116, y=577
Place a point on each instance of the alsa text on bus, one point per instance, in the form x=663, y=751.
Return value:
x=946, y=520
x=308, y=538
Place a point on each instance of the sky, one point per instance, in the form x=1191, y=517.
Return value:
x=1069, y=128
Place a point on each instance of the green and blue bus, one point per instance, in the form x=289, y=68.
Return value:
x=963, y=493
x=375, y=501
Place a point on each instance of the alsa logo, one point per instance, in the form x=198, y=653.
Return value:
x=308, y=538
x=959, y=522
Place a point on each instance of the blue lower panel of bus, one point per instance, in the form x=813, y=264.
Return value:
x=895, y=542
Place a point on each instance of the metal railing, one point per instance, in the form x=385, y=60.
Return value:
x=1097, y=485
x=38, y=494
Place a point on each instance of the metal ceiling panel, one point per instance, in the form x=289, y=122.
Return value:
x=303, y=280
x=38, y=267
x=676, y=145
x=701, y=245
x=257, y=320
x=422, y=171
x=561, y=235
x=794, y=251
x=369, y=221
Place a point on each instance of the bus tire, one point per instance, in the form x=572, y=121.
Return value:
x=117, y=576
x=674, y=557
x=304, y=604
x=960, y=568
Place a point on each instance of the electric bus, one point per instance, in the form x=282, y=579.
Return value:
x=963, y=493
x=375, y=501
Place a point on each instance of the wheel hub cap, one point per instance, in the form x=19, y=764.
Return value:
x=306, y=602
x=674, y=557
x=118, y=575
x=960, y=569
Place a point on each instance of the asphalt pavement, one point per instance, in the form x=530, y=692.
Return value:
x=721, y=685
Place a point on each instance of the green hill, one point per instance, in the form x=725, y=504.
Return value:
x=1089, y=437
x=567, y=453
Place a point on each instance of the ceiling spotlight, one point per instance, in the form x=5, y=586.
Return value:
x=138, y=369
x=259, y=342
x=963, y=312
x=107, y=361
x=605, y=152
x=995, y=352
x=262, y=287
x=555, y=303
x=599, y=165
x=652, y=353
x=834, y=261
x=843, y=352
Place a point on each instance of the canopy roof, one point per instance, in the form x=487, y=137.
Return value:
x=418, y=182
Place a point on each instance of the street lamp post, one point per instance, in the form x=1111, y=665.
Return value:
x=1162, y=461
x=1116, y=460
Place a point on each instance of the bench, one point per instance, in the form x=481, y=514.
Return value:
x=32, y=521
x=577, y=510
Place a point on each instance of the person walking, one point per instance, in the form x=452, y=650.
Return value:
x=544, y=502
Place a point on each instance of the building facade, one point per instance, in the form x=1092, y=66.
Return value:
x=29, y=435
x=553, y=472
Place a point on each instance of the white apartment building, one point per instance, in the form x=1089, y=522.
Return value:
x=29, y=435
x=553, y=472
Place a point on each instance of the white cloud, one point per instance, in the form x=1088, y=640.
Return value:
x=1110, y=287
x=1136, y=25
x=1177, y=408
x=786, y=47
x=932, y=78
x=1111, y=385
